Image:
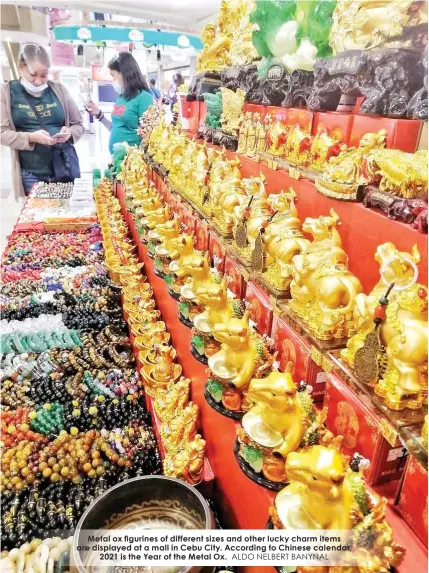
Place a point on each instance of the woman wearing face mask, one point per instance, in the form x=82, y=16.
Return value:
x=32, y=145
x=134, y=97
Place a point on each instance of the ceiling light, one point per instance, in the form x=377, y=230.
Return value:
x=183, y=41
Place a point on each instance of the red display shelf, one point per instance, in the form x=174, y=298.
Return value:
x=362, y=230
x=243, y=504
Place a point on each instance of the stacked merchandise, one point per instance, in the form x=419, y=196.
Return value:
x=280, y=442
x=75, y=420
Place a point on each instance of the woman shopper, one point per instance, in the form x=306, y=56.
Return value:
x=39, y=120
x=134, y=97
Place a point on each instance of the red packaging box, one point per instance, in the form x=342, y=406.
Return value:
x=255, y=108
x=402, y=134
x=364, y=431
x=194, y=107
x=201, y=235
x=292, y=347
x=193, y=125
x=412, y=503
x=185, y=106
x=216, y=250
x=260, y=308
x=303, y=117
x=188, y=219
x=278, y=113
x=237, y=283
x=339, y=124
x=202, y=113
x=176, y=205
x=168, y=195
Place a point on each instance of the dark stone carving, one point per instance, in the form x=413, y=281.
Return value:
x=387, y=78
x=218, y=137
x=206, y=82
x=279, y=88
x=405, y=210
x=418, y=106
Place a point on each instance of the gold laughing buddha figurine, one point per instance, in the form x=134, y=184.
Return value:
x=323, y=290
x=351, y=168
x=324, y=493
x=390, y=349
x=282, y=420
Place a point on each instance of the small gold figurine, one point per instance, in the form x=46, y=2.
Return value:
x=243, y=355
x=323, y=493
x=398, y=362
x=173, y=399
x=180, y=429
x=187, y=463
x=276, y=137
x=283, y=420
x=232, y=104
x=281, y=241
x=353, y=167
x=324, y=145
x=242, y=134
x=403, y=174
x=163, y=373
x=323, y=290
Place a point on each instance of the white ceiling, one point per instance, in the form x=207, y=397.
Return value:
x=186, y=14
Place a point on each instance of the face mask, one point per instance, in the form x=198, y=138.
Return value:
x=34, y=90
x=119, y=89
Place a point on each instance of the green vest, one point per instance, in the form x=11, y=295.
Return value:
x=39, y=160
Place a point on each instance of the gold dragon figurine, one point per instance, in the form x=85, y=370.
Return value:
x=369, y=24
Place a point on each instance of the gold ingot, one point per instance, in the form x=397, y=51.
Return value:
x=154, y=384
x=148, y=329
x=150, y=356
x=144, y=342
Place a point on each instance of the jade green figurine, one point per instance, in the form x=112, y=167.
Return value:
x=214, y=109
x=292, y=32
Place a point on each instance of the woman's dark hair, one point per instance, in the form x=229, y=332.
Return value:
x=178, y=79
x=134, y=81
x=32, y=52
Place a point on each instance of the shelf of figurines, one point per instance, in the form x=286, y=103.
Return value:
x=399, y=192
x=269, y=308
x=239, y=481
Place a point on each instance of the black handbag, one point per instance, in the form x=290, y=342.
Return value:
x=64, y=157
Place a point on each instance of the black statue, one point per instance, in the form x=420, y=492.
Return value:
x=418, y=106
x=206, y=82
x=387, y=78
x=278, y=88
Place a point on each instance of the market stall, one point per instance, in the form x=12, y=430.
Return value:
x=243, y=305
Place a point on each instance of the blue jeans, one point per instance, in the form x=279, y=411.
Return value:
x=29, y=179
